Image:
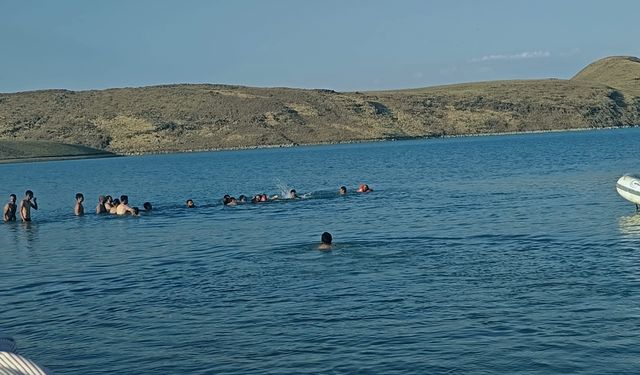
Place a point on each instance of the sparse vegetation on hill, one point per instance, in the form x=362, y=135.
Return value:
x=203, y=117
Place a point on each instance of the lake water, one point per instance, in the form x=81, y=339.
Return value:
x=501, y=254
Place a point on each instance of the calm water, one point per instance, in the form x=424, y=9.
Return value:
x=506, y=254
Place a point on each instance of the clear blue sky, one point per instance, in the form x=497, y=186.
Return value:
x=335, y=44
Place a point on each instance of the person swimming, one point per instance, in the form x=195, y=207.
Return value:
x=147, y=206
x=364, y=188
x=190, y=203
x=293, y=194
x=242, y=199
x=229, y=200
x=343, y=190
x=325, y=241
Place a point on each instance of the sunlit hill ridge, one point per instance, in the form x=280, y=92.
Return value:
x=186, y=117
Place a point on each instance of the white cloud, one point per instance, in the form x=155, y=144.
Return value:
x=517, y=56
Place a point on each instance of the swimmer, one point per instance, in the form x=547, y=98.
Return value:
x=229, y=200
x=190, y=203
x=264, y=198
x=135, y=211
x=123, y=207
x=27, y=203
x=9, y=212
x=326, y=240
x=147, y=206
x=343, y=190
x=79, y=208
x=364, y=188
x=108, y=203
x=255, y=199
x=114, y=206
x=293, y=194
x=100, y=208
x=242, y=199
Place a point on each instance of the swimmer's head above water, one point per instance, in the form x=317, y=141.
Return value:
x=326, y=240
x=364, y=188
x=190, y=203
x=343, y=190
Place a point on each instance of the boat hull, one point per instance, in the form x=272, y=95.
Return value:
x=628, y=186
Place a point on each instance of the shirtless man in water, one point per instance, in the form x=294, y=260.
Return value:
x=9, y=212
x=28, y=202
x=123, y=207
x=79, y=208
x=100, y=208
x=326, y=241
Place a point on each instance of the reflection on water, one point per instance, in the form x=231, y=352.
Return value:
x=630, y=225
x=24, y=236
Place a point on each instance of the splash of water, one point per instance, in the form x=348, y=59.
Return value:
x=283, y=188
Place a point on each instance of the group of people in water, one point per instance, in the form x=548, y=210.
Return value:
x=108, y=205
x=26, y=204
x=228, y=200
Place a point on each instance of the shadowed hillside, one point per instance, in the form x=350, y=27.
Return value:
x=203, y=117
x=43, y=150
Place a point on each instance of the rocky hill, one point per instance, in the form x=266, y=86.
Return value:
x=203, y=116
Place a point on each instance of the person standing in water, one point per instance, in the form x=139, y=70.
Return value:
x=27, y=203
x=100, y=208
x=114, y=206
x=79, y=208
x=108, y=203
x=9, y=212
x=123, y=207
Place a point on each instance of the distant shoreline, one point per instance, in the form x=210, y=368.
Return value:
x=56, y=158
x=375, y=140
x=289, y=145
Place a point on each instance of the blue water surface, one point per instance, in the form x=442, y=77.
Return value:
x=481, y=255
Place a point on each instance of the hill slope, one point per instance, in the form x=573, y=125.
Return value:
x=43, y=150
x=199, y=117
x=622, y=73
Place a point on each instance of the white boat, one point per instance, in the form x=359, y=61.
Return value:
x=628, y=187
x=12, y=363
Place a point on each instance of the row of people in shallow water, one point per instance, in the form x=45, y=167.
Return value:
x=293, y=194
x=108, y=205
